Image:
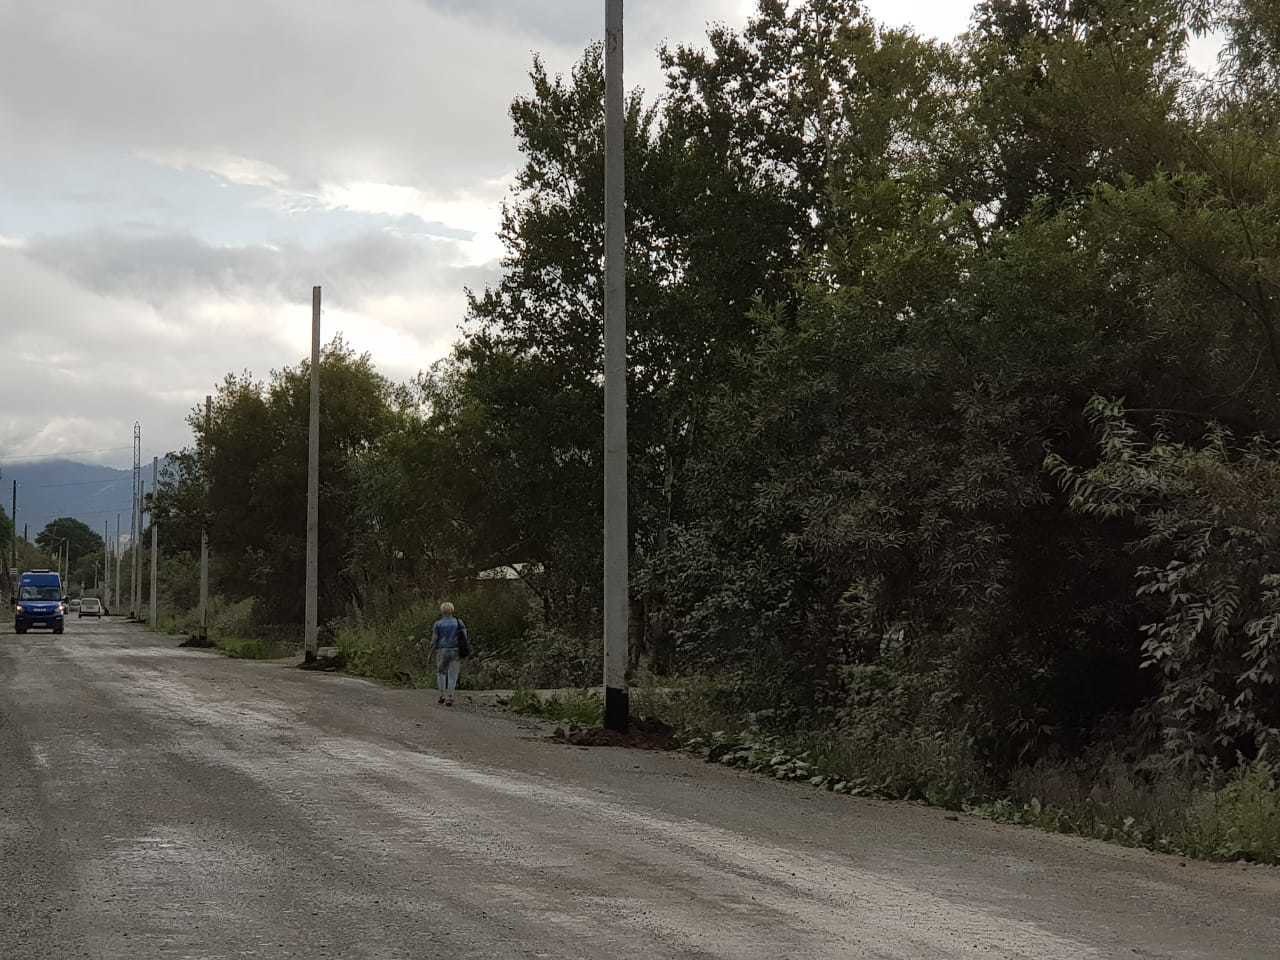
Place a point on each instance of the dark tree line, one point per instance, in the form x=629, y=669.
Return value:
x=946, y=362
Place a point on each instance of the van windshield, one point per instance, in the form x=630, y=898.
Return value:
x=39, y=593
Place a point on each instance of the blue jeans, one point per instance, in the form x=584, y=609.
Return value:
x=448, y=663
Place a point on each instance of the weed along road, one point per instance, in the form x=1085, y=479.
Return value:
x=156, y=802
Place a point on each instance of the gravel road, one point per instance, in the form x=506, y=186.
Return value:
x=156, y=802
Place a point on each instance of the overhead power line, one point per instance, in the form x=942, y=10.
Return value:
x=74, y=483
x=96, y=513
x=62, y=453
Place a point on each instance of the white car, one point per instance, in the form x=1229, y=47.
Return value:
x=90, y=607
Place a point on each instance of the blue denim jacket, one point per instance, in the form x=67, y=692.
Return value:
x=444, y=635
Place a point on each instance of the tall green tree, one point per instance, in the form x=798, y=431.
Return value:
x=80, y=540
x=245, y=481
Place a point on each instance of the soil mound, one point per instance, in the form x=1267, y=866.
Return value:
x=641, y=735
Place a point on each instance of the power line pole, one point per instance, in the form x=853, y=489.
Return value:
x=311, y=635
x=116, y=550
x=106, y=563
x=616, y=574
x=15, y=526
x=135, y=539
x=142, y=539
x=204, y=530
x=155, y=542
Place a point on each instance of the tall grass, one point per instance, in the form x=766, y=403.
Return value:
x=584, y=708
x=511, y=648
x=1232, y=817
x=1235, y=819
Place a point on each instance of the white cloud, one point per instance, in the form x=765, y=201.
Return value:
x=244, y=171
x=943, y=19
x=109, y=327
x=477, y=210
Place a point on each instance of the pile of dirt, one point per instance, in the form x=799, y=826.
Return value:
x=202, y=643
x=640, y=735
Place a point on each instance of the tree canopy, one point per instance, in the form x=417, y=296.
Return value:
x=873, y=281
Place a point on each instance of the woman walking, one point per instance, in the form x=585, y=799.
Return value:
x=450, y=642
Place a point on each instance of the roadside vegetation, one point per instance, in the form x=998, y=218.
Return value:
x=954, y=398
x=583, y=708
x=1219, y=815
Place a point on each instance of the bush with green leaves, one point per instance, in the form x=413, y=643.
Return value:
x=1208, y=518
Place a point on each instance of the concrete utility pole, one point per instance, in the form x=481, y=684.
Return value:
x=135, y=539
x=616, y=575
x=116, y=606
x=106, y=563
x=311, y=634
x=155, y=544
x=204, y=532
x=137, y=555
x=14, y=517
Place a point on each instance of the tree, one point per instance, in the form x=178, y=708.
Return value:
x=245, y=481
x=81, y=541
x=1210, y=548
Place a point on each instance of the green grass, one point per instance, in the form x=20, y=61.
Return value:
x=1236, y=818
x=254, y=649
x=583, y=708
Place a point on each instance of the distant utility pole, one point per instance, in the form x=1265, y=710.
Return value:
x=155, y=542
x=106, y=563
x=204, y=530
x=311, y=641
x=15, y=525
x=616, y=576
x=142, y=528
x=135, y=561
x=116, y=551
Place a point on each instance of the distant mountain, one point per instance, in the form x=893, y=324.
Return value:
x=48, y=489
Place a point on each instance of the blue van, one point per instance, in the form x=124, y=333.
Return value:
x=40, y=602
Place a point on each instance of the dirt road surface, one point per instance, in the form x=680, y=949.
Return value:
x=161, y=803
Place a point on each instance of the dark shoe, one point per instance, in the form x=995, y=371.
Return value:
x=441, y=700
x=449, y=702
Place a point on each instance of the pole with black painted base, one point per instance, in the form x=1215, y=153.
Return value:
x=616, y=575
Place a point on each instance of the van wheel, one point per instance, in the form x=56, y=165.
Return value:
x=57, y=629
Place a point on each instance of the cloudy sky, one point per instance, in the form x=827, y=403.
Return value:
x=176, y=176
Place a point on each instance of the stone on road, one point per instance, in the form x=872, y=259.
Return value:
x=159, y=803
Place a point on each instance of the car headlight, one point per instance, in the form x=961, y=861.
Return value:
x=17, y=608
x=62, y=608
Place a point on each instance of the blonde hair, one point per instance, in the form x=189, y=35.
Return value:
x=446, y=609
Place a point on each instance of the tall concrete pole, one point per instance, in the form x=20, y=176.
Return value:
x=155, y=542
x=14, y=518
x=204, y=532
x=137, y=555
x=116, y=606
x=311, y=633
x=616, y=575
x=135, y=560
x=133, y=539
x=106, y=563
